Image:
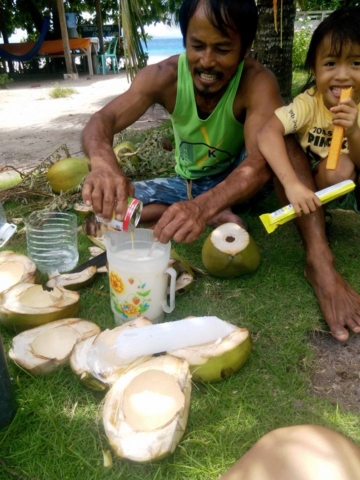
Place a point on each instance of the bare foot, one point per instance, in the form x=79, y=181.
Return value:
x=339, y=303
x=226, y=216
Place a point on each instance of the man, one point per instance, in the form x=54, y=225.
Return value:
x=218, y=35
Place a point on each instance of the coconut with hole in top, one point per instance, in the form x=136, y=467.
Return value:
x=25, y=306
x=146, y=410
x=42, y=349
x=15, y=268
x=95, y=361
x=229, y=251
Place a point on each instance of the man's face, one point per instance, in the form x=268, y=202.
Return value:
x=213, y=59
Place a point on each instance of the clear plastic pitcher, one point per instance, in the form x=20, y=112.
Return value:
x=7, y=230
x=51, y=239
x=138, y=276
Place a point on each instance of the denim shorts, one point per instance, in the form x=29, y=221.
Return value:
x=176, y=189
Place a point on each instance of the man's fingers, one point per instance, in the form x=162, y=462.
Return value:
x=86, y=193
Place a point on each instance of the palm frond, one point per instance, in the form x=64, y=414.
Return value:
x=131, y=13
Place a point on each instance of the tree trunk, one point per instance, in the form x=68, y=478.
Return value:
x=5, y=36
x=274, y=48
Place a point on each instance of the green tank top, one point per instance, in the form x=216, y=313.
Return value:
x=204, y=147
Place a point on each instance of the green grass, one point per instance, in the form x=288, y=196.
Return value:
x=61, y=92
x=57, y=433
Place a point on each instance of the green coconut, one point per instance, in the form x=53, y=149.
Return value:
x=26, y=305
x=213, y=362
x=123, y=151
x=67, y=173
x=229, y=251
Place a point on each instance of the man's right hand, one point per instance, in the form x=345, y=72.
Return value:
x=107, y=189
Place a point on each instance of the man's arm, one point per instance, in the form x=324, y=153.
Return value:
x=106, y=188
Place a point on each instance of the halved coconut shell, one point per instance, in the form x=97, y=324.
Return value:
x=15, y=268
x=95, y=361
x=145, y=412
x=43, y=349
x=25, y=306
x=214, y=361
x=73, y=281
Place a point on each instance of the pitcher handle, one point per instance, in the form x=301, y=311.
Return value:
x=169, y=308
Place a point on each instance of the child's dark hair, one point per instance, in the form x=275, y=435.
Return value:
x=342, y=28
x=240, y=16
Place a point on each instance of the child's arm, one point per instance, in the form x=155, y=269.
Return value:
x=272, y=146
x=346, y=115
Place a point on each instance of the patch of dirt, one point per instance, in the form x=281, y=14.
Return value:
x=34, y=125
x=336, y=370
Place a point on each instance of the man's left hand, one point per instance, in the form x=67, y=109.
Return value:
x=182, y=222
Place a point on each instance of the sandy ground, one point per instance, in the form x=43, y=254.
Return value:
x=33, y=124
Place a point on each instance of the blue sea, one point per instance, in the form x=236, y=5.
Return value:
x=159, y=48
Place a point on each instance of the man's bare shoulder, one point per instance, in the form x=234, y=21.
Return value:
x=160, y=78
x=257, y=79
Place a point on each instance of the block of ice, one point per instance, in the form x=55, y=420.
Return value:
x=167, y=336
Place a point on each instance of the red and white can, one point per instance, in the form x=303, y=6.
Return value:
x=131, y=219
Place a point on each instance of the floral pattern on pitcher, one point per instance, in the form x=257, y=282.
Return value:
x=136, y=303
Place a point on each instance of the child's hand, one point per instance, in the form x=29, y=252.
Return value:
x=346, y=115
x=302, y=198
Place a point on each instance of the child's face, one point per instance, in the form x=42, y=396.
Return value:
x=333, y=73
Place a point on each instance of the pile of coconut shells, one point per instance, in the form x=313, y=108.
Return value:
x=148, y=397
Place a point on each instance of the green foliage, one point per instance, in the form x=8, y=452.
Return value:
x=307, y=5
x=299, y=79
x=5, y=80
x=61, y=92
x=302, y=37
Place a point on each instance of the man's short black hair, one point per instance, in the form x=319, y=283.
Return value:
x=240, y=16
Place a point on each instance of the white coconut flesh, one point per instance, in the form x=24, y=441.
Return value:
x=15, y=268
x=230, y=238
x=72, y=279
x=42, y=349
x=34, y=298
x=152, y=400
x=10, y=274
x=146, y=410
x=78, y=358
x=56, y=343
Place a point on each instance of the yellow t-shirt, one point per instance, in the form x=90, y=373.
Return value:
x=308, y=117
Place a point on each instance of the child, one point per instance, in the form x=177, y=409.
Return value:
x=334, y=62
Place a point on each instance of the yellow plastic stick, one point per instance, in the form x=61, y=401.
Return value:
x=271, y=221
x=337, y=137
